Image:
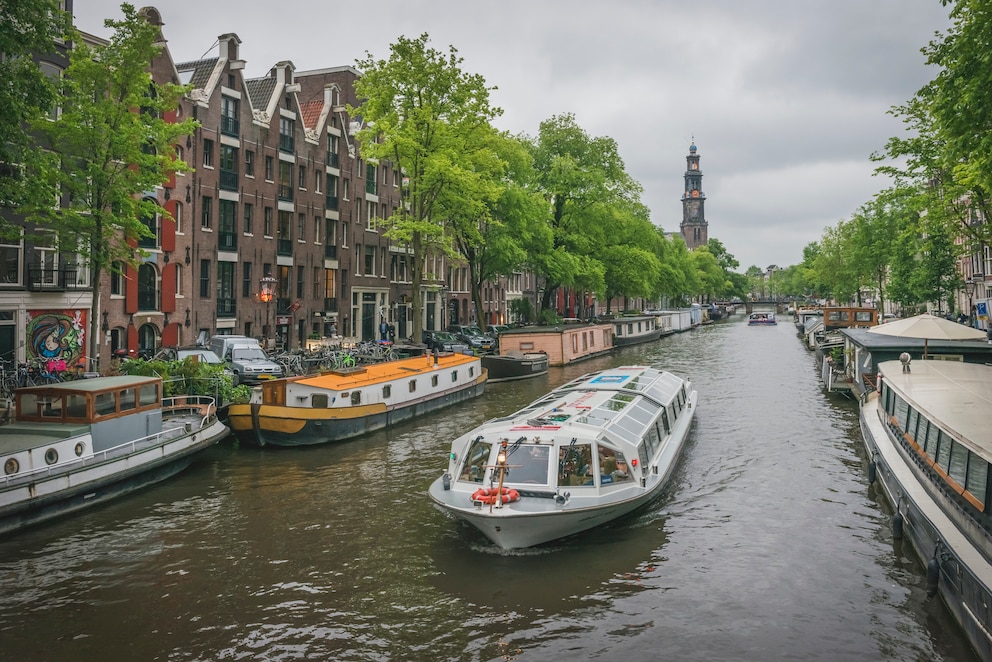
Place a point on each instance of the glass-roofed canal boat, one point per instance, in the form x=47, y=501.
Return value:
x=587, y=453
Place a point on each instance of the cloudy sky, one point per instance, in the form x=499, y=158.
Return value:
x=786, y=99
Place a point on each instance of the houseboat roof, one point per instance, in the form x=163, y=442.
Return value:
x=956, y=395
x=93, y=385
x=375, y=373
x=878, y=341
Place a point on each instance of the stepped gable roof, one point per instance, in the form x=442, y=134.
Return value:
x=201, y=70
x=260, y=90
x=310, y=112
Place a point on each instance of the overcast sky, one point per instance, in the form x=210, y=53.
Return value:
x=786, y=99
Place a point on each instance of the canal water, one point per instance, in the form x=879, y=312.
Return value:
x=768, y=545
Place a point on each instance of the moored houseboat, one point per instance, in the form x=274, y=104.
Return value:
x=635, y=330
x=926, y=435
x=515, y=365
x=79, y=443
x=341, y=404
x=583, y=455
x=564, y=344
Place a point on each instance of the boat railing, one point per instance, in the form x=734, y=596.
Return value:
x=148, y=442
x=203, y=405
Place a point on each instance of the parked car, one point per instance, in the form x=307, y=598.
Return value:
x=443, y=341
x=179, y=353
x=473, y=337
x=245, y=358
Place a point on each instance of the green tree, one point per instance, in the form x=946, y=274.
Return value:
x=27, y=28
x=109, y=144
x=430, y=119
x=582, y=179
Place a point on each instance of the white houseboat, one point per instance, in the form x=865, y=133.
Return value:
x=76, y=444
x=927, y=437
x=585, y=454
x=635, y=330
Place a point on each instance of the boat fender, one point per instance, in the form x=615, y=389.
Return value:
x=872, y=472
x=446, y=481
x=897, y=522
x=933, y=576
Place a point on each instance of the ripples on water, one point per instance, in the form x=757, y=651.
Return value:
x=767, y=545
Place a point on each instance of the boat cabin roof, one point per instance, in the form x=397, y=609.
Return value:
x=88, y=400
x=955, y=395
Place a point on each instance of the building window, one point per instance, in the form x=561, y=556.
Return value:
x=249, y=210
x=267, y=222
x=229, y=123
x=370, y=260
x=246, y=282
x=204, y=279
x=317, y=222
x=177, y=216
x=300, y=272
x=303, y=178
x=227, y=226
x=269, y=168
x=147, y=287
x=301, y=227
x=287, y=131
x=151, y=223
x=117, y=279
x=207, y=216
x=208, y=153
x=249, y=163
x=285, y=191
x=229, y=168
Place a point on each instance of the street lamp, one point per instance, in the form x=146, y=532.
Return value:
x=265, y=294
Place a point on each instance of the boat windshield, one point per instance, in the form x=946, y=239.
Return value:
x=530, y=463
x=474, y=468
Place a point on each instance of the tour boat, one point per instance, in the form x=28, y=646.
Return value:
x=583, y=455
x=927, y=437
x=75, y=444
x=515, y=365
x=761, y=319
x=340, y=404
x=635, y=330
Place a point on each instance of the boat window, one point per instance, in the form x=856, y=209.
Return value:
x=356, y=397
x=978, y=475
x=454, y=376
x=433, y=380
x=612, y=466
x=129, y=399
x=922, y=433
x=653, y=439
x=901, y=411
x=387, y=391
x=664, y=420
x=933, y=436
x=75, y=405
x=674, y=412
x=944, y=451
x=575, y=465
x=318, y=401
x=413, y=385
x=471, y=371
x=618, y=402
x=105, y=403
x=529, y=464
x=50, y=406
x=148, y=394
x=957, y=467
x=914, y=420
x=474, y=468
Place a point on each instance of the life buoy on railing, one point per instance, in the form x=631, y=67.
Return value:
x=491, y=495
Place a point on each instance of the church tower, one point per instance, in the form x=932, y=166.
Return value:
x=694, y=226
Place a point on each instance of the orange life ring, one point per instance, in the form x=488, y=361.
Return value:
x=490, y=495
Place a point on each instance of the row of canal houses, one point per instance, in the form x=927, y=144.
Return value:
x=271, y=234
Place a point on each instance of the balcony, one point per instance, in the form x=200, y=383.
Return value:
x=228, y=180
x=284, y=246
x=332, y=202
x=286, y=143
x=226, y=307
x=371, y=186
x=330, y=251
x=285, y=193
x=230, y=126
x=53, y=279
x=227, y=241
x=333, y=160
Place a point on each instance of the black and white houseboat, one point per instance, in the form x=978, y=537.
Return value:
x=926, y=431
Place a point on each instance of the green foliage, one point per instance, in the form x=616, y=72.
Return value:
x=27, y=95
x=188, y=377
x=521, y=309
x=549, y=317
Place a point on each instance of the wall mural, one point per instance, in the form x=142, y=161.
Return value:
x=56, y=337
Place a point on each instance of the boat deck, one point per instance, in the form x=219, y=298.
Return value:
x=337, y=380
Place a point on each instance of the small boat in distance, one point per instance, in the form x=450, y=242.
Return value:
x=76, y=444
x=926, y=435
x=761, y=319
x=583, y=455
x=515, y=365
x=341, y=404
